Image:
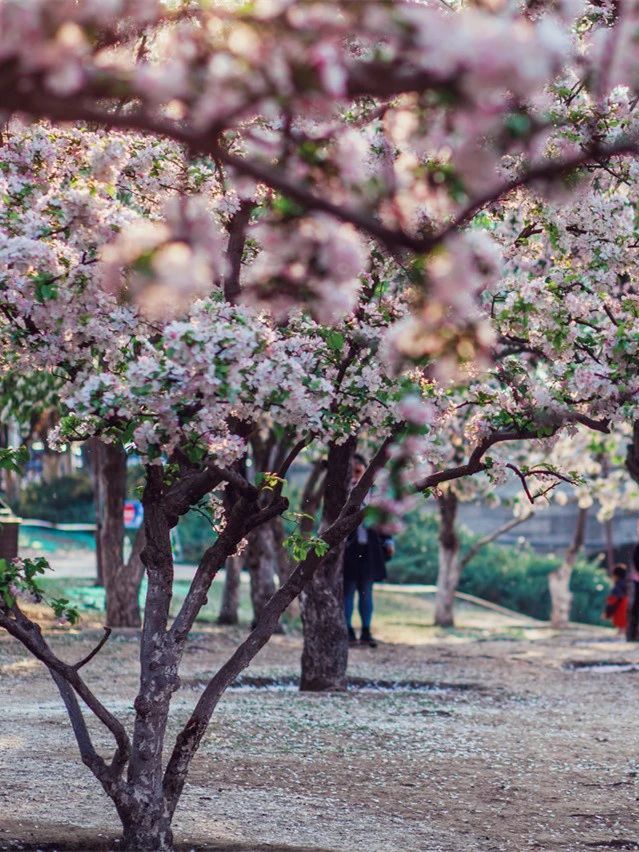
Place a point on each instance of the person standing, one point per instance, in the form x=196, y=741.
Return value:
x=617, y=600
x=365, y=556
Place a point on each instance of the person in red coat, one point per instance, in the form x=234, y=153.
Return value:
x=617, y=600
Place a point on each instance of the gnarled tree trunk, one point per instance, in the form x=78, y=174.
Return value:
x=146, y=828
x=325, y=651
x=230, y=604
x=449, y=569
x=559, y=580
x=147, y=825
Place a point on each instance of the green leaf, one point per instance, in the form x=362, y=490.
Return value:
x=518, y=124
x=45, y=287
x=299, y=547
x=13, y=458
x=268, y=481
x=335, y=340
x=286, y=207
x=195, y=452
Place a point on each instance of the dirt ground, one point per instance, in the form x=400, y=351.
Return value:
x=498, y=740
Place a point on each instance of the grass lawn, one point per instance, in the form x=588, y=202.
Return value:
x=402, y=613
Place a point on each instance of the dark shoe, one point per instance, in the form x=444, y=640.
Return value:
x=352, y=638
x=367, y=639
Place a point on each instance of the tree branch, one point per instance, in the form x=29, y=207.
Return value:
x=30, y=635
x=79, y=108
x=475, y=463
x=293, y=454
x=89, y=755
x=235, y=249
x=189, y=738
x=189, y=490
x=95, y=651
x=491, y=536
x=242, y=518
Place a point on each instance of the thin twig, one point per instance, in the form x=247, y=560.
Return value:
x=95, y=651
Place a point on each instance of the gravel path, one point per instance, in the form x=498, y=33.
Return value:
x=507, y=746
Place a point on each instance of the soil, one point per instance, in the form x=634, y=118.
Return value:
x=500, y=738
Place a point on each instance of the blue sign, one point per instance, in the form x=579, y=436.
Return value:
x=133, y=514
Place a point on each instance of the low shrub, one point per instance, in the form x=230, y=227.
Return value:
x=67, y=499
x=512, y=576
x=194, y=535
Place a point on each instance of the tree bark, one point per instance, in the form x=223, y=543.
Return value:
x=632, y=624
x=229, y=607
x=11, y=481
x=147, y=829
x=449, y=569
x=285, y=566
x=237, y=228
x=632, y=466
x=559, y=580
x=123, y=589
x=110, y=475
x=632, y=453
x=325, y=650
x=149, y=824
x=121, y=581
x=261, y=559
x=91, y=455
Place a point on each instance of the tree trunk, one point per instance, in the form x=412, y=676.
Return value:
x=325, y=651
x=559, y=580
x=91, y=458
x=607, y=524
x=51, y=464
x=147, y=797
x=11, y=482
x=632, y=453
x=632, y=624
x=610, y=546
x=231, y=591
x=110, y=475
x=149, y=820
x=285, y=566
x=261, y=559
x=147, y=829
x=449, y=569
x=121, y=581
x=65, y=467
x=123, y=588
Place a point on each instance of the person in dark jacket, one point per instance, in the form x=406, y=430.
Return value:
x=365, y=556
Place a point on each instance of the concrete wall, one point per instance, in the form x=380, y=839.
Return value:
x=551, y=530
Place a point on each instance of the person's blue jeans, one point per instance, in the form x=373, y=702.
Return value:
x=364, y=589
